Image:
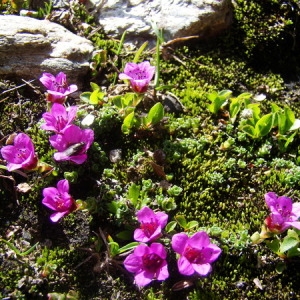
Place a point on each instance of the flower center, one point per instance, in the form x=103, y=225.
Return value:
x=193, y=255
x=60, y=202
x=60, y=87
x=22, y=154
x=138, y=75
x=151, y=262
x=149, y=228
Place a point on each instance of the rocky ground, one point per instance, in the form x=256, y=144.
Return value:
x=196, y=162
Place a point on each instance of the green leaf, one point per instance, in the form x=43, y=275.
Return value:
x=288, y=243
x=95, y=86
x=293, y=234
x=117, y=101
x=255, y=110
x=155, y=114
x=244, y=96
x=218, y=100
x=234, y=108
x=170, y=226
x=191, y=224
x=85, y=96
x=225, y=94
x=129, y=122
x=124, y=235
x=96, y=97
x=133, y=194
x=264, y=125
x=139, y=52
x=181, y=221
x=280, y=267
x=128, y=247
x=250, y=130
x=273, y=245
x=113, y=248
x=290, y=118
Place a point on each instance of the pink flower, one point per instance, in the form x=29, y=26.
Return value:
x=284, y=213
x=59, y=200
x=72, y=144
x=139, y=75
x=196, y=253
x=57, y=87
x=151, y=224
x=147, y=263
x=21, y=154
x=58, y=118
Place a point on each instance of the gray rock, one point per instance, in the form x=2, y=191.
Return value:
x=177, y=18
x=29, y=47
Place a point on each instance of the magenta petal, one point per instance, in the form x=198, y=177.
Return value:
x=145, y=215
x=47, y=80
x=50, y=203
x=199, y=240
x=202, y=269
x=285, y=204
x=162, y=218
x=140, y=236
x=179, y=241
x=63, y=186
x=143, y=278
x=141, y=250
x=163, y=272
x=132, y=263
x=11, y=167
x=159, y=249
x=57, y=215
x=270, y=199
x=123, y=76
x=78, y=159
x=293, y=224
x=184, y=266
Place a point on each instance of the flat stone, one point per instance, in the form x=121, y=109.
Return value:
x=29, y=47
x=177, y=18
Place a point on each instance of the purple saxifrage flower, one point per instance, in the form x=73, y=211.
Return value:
x=72, y=144
x=151, y=226
x=284, y=213
x=57, y=87
x=59, y=200
x=147, y=263
x=196, y=253
x=21, y=155
x=58, y=118
x=139, y=75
